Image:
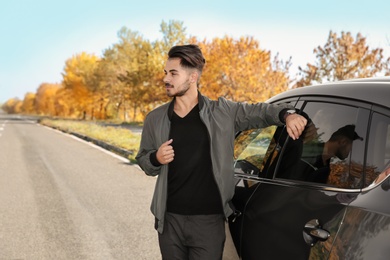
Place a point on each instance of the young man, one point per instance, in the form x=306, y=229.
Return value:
x=188, y=143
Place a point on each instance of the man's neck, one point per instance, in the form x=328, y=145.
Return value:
x=184, y=104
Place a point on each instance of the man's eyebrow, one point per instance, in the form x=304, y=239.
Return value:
x=172, y=70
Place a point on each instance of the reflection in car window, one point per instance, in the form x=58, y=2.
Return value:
x=378, y=153
x=250, y=149
x=330, y=140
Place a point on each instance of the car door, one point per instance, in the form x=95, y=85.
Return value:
x=365, y=231
x=290, y=205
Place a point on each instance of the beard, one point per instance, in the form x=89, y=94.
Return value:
x=342, y=155
x=182, y=89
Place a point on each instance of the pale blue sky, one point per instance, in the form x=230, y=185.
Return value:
x=38, y=36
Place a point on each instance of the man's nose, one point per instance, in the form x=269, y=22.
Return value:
x=166, y=78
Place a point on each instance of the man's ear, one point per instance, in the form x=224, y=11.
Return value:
x=194, y=77
x=344, y=141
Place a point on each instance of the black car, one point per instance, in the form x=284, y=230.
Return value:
x=318, y=197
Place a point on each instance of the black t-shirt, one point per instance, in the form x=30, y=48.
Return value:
x=192, y=189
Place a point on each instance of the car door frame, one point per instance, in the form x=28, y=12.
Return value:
x=299, y=103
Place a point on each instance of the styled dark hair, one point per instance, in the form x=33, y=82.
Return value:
x=190, y=56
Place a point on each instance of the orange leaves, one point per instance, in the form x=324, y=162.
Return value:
x=239, y=70
x=126, y=82
x=78, y=77
x=28, y=104
x=12, y=106
x=79, y=70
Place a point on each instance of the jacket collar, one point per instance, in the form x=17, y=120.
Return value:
x=170, y=108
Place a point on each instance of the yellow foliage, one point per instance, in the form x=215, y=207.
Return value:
x=45, y=99
x=126, y=83
x=78, y=78
x=28, y=104
x=239, y=70
x=12, y=106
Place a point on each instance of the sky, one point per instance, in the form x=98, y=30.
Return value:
x=38, y=36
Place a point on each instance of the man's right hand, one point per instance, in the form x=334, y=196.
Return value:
x=165, y=153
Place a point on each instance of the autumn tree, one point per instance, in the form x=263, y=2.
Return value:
x=343, y=57
x=107, y=83
x=173, y=33
x=45, y=99
x=138, y=69
x=28, y=103
x=116, y=70
x=136, y=54
x=240, y=70
x=12, y=106
x=64, y=103
x=78, y=78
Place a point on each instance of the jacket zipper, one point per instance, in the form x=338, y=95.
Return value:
x=212, y=164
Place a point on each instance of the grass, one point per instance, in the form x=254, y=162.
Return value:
x=116, y=136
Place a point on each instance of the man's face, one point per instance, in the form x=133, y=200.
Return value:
x=344, y=149
x=177, y=78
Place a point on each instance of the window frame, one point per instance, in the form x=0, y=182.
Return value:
x=382, y=111
x=363, y=121
x=300, y=103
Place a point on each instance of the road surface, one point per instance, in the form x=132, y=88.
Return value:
x=62, y=198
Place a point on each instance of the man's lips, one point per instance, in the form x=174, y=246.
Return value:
x=168, y=86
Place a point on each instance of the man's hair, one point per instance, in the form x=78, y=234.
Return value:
x=346, y=131
x=190, y=56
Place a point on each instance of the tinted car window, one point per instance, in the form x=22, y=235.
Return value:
x=331, y=151
x=378, y=152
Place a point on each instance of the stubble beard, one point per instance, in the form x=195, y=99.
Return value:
x=185, y=88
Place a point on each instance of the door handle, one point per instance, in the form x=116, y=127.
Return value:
x=313, y=232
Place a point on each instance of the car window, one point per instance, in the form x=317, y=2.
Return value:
x=251, y=148
x=378, y=152
x=331, y=150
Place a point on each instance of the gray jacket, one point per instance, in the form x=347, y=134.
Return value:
x=223, y=119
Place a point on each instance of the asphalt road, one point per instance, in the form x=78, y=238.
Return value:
x=62, y=198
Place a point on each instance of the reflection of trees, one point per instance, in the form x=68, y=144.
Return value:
x=359, y=226
x=344, y=175
x=318, y=252
x=242, y=141
x=256, y=160
x=248, y=136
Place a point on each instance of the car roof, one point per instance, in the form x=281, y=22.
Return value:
x=370, y=90
x=377, y=79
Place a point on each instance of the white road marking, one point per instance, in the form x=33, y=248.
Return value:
x=3, y=126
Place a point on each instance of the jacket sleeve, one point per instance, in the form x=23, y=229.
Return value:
x=258, y=115
x=147, y=147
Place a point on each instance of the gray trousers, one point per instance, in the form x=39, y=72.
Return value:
x=192, y=237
